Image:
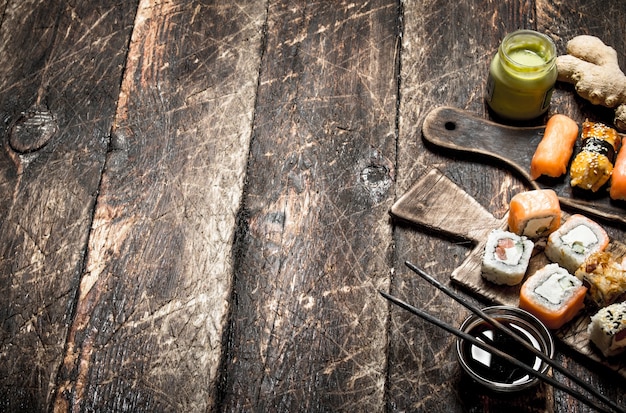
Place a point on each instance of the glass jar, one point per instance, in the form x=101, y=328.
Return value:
x=522, y=76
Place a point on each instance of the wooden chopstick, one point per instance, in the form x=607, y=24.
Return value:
x=514, y=336
x=487, y=347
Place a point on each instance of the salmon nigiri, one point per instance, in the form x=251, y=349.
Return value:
x=556, y=147
x=618, y=177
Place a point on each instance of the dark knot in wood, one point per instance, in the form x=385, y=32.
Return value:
x=377, y=179
x=32, y=131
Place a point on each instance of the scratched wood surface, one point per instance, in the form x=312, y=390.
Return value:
x=60, y=79
x=195, y=195
x=308, y=274
x=153, y=299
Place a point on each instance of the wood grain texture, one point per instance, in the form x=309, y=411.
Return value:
x=153, y=299
x=433, y=202
x=308, y=325
x=61, y=63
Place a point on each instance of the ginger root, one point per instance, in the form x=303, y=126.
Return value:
x=594, y=70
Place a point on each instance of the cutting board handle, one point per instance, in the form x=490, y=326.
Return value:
x=439, y=204
x=512, y=147
x=456, y=129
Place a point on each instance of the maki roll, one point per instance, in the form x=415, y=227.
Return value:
x=607, y=329
x=534, y=214
x=604, y=273
x=553, y=295
x=574, y=241
x=593, y=165
x=506, y=257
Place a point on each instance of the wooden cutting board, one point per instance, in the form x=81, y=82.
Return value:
x=432, y=202
x=514, y=147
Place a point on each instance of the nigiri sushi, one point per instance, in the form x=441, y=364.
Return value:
x=618, y=177
x=534, y=214
x=556, y=147
x=553, y=295
x=607, y=329
x=506, y=257
x=593, y=165
x=575, y=240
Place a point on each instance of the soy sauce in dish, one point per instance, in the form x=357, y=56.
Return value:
x=494, y=368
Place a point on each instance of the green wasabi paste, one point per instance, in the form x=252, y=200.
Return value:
x=522, y=76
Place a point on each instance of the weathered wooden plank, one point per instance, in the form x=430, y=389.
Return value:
x=309, y=327
x=153, y=299
x=61, y=63
x=446, y=49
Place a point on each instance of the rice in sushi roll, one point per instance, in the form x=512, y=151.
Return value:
x=574, y=241
x=553, y=295
x=506, y=257
x=607, y=329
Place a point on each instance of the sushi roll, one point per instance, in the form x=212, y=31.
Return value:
x=604, y=274
x=506, y=257
x=534, y=214
x=553, y=295
x=574, y=241
x=556, y=147
x=607, y=329
x=593, y=165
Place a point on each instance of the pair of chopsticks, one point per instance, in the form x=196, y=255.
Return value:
x=484, y=346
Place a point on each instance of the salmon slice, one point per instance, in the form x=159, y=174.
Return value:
x=556, y=147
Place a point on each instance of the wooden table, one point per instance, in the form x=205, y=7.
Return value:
x=195, y=200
